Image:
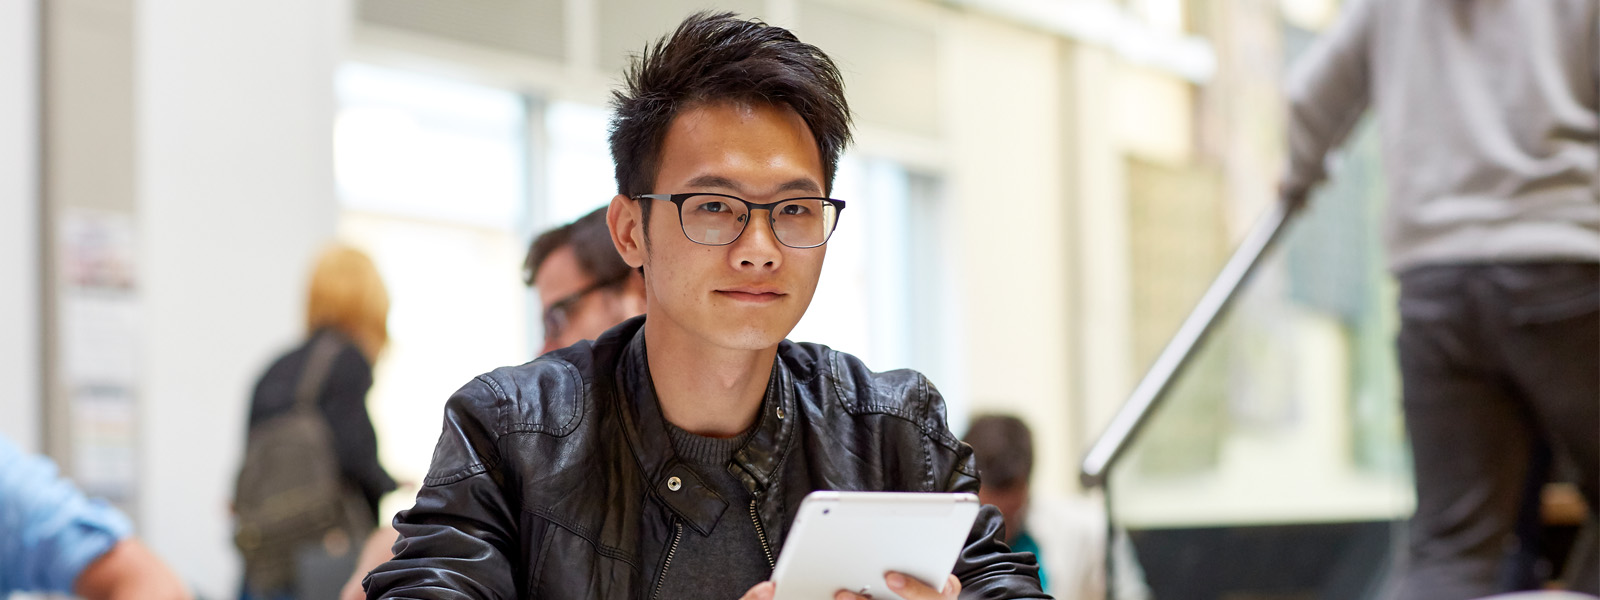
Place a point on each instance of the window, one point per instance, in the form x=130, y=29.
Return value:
x=433, y=184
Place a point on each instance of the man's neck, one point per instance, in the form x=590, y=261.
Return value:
x=703, y=389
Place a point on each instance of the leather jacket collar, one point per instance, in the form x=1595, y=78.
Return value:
x=755, y=463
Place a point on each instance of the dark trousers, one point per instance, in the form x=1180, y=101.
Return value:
x=1493, y=358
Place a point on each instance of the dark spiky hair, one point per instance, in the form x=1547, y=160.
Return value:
x=719, y=57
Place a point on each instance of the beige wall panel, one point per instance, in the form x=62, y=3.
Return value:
x=1002, y=113
x=1155, y=115
x=890, y=68
x=627, y=25
x=530, y=27
x=1100, y=241
x=89, y=84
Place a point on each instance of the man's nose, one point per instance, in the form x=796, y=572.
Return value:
x=759, y=244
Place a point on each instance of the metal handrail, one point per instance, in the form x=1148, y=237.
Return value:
x=1153, y=388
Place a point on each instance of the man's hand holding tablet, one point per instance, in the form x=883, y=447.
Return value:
x=907, y=587
x=872, y=545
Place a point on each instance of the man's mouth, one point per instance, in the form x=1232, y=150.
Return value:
x=752, y=294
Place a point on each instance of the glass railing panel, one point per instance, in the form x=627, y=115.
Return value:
x=1290, y=412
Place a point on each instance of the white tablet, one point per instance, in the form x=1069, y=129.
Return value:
x=850, y=540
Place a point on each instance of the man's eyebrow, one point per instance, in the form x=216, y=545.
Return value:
x=802, y=184
x=716, y=181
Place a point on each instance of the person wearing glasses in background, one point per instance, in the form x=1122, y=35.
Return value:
x=583, y=283
x=584, y=288
x=665, y=459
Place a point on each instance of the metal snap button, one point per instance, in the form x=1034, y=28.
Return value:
x=780, y=411
x=674, y=484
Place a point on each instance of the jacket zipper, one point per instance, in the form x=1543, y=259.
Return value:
x=761, y=532
x=677, y=534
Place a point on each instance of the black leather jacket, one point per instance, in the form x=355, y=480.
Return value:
x=549, y=481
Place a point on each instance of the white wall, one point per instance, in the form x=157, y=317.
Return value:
x=235, y=195
x=19, y=219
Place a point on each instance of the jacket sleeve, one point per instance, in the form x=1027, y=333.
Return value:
x=1328, y=90
x=460, y=539
x=986, y=567
x=344, y=403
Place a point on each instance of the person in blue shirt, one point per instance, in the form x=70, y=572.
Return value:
x=53, y=539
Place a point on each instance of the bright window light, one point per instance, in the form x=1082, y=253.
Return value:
x=409, y=144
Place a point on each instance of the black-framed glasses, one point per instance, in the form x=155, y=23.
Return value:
x=559, y=314
x=719, y=219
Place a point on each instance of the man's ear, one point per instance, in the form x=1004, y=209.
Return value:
x=626, y=223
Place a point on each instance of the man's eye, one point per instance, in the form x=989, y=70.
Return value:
x=714, y=207
x=795, y=210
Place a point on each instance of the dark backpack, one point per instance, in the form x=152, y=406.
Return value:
x=290, y=494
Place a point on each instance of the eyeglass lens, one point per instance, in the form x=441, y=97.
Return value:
x=799, y=223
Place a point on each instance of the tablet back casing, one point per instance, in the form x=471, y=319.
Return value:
x=849, y=540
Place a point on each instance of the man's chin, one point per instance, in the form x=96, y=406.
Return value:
x=753, y=337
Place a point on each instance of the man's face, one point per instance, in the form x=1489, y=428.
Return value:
x=748, y=294
x=561, y=279
x=1013, y=504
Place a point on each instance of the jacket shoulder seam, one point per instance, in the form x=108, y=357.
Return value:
x=456, y=475
x=510, y=424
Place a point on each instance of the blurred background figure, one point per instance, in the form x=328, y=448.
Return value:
x=585, y=289
x=308, y=417
x=1489, y=115
x=1067, y=536
x=54, y=540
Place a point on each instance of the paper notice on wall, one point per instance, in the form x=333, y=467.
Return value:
x=104, y=439
x=98, y=333
x=98, y=249
x=99, y=337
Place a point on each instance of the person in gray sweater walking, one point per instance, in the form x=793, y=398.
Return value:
x=1487, y=110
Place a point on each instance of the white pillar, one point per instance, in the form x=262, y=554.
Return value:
x=19, y=223
x=235, y=195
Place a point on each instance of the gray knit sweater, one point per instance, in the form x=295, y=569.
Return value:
x=1488, y=117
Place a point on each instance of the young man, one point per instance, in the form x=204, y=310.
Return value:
x=666, y=458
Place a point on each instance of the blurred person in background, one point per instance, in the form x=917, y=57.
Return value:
x=585, y=288
x=55, y=540
x=583, y=284
x=1487, y=112
x=1067, y=536
x=607, y=469
x=346, y=329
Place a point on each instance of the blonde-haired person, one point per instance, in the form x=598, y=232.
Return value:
x=347, y=295
x=347, y=313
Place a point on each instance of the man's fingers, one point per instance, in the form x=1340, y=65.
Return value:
x=762, y=591
x=911, y=589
